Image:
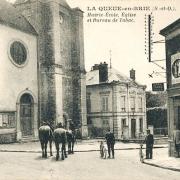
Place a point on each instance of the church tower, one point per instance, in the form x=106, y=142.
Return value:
x=62, y=88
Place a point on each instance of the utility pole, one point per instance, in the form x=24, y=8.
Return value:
x=110, y=53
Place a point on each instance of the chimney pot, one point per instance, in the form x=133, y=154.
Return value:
x=133, y=74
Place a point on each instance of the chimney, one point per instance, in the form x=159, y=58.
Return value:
x=133, y=74
x=103, y=72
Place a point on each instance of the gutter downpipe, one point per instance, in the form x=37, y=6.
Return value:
x=113, y=105
x=128, y=110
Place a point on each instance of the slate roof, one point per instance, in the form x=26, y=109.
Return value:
x=10, y=16
x=92, y=77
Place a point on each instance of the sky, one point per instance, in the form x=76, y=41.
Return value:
x=126, y=41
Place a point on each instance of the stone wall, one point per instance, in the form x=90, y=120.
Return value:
x=40, y=16
x=61, y=60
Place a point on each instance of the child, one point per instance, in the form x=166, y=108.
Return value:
x=103, y=150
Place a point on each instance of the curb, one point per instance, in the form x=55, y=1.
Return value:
x=91, y=150
x=162, y=167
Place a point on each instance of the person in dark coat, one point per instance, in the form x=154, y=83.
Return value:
x=149, y=140
x=72, y=126
x=110, y=139
x=177, y=141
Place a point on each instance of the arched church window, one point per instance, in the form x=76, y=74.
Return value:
x=18, y=53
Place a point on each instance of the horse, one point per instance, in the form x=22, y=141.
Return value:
x=60, y=138
x=71, y=138
x=45, y=136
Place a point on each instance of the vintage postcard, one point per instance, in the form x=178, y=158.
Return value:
x=89, y=89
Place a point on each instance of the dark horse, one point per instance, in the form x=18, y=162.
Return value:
x=45, y=136
x=71, y=138
x=60, y=138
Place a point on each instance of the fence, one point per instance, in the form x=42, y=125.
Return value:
x=161, y=131
x=95, y=132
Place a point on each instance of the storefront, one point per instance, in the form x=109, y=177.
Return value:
x=172, y=39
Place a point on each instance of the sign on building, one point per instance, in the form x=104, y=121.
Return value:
x=157, y=86
x=175, y=68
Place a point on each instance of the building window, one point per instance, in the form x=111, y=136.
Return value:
x=132, y=103
x=104, y=103
x=7, y=120
x=105, y=122
x=89, y=121
x=18, y=53
x=140, y=104
x=141, y=125
x=123, y=123
x=123, y=103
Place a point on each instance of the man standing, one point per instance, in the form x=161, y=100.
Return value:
x=149, y=140
x=177, y=141
x=110, y=139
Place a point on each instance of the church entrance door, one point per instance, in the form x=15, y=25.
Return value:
x=26, y=114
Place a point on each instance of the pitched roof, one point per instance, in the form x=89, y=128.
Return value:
x=171, y=27
x=10, y=16
x=61, y=2
x=92, y=77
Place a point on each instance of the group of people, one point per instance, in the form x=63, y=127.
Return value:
x=149, y=141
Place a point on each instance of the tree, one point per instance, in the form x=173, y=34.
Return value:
x=156, y=109
x=156, y=99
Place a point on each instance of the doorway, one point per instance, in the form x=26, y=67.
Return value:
x=177, y=117
x=133, y=128
x=26, y=114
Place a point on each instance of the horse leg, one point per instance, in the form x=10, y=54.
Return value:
x=57, y=150
x=42, y=147
x=65, y=150
x=62, y=151
x=72, y=147
x=45, y=150
x=69, y=147
x=50, y=147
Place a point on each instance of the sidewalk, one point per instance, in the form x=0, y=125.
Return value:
x=162, y=160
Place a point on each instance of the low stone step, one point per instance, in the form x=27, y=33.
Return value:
x=29, y=139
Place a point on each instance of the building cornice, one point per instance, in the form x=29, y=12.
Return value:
x=170, y=28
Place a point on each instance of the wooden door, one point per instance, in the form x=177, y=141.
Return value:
x=26, y=114
x=133, y=128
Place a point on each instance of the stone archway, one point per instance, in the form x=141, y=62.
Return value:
x=27, y=115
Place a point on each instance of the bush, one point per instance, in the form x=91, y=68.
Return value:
x=157, y=117
x=96, y=132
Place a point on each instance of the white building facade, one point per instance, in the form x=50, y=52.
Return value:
x=18, y=80
x=115, y=102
